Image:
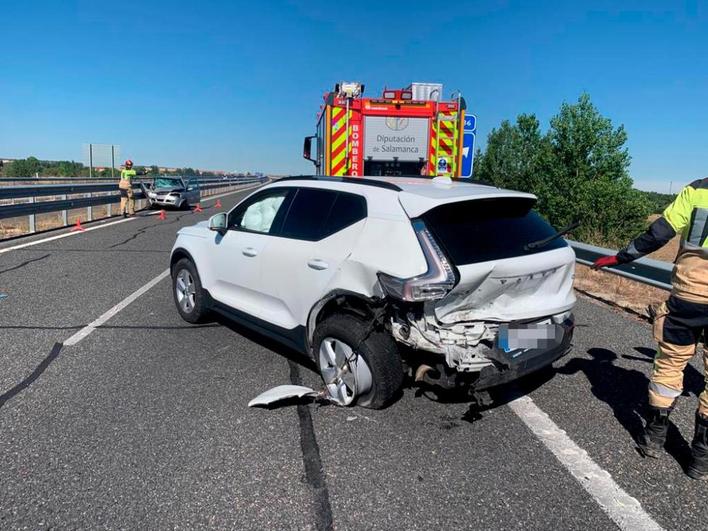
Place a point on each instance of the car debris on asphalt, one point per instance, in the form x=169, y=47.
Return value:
x=285, y=392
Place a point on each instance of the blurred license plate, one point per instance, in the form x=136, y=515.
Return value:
x=529, y=336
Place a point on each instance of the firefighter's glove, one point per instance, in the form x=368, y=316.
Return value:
x=605, y=261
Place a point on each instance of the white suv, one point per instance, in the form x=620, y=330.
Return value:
x=460, y=285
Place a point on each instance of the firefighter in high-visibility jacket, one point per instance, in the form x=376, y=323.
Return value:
x=127, y=197
x=680, y=322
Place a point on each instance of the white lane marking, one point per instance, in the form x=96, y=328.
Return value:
x=64, y=235
x=105, y=224
x=625, y=510
x=85, y=331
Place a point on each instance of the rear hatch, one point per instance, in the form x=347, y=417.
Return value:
x=501, y=278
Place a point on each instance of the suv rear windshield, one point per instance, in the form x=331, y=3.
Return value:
x=489, y=229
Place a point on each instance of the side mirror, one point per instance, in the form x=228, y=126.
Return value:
x=307, y=149
x=218, y=222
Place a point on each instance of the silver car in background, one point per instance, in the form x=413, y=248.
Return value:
x=174, y=192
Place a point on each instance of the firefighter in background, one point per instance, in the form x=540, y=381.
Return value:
x=680, y=321
x=127, y=196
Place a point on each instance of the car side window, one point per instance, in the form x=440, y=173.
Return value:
x=259, y=213
x=316, y=214
x=347, y=210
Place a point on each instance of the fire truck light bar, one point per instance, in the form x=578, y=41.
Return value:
x=348, y=89
x=403, y=95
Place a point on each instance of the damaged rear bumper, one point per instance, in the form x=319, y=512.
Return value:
x=524, y=364
x=501, y=366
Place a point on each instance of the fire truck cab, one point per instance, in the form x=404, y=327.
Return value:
x=410, y=131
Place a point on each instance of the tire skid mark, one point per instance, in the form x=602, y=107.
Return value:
x=314, y=471
x=142, y=231
x=36, y=373
x=26, y=262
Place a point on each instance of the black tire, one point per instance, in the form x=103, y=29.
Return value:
x=200, y=309
x=378, y=349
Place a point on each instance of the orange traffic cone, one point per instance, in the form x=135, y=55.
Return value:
x=198, y=208
x=218, y=203
x=78, y=227
x=163, y=217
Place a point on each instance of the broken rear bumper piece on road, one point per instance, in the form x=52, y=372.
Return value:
x=516, y=352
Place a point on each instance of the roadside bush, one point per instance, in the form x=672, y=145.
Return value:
x=578, y=169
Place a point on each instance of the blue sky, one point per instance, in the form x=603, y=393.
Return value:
x=236, y=85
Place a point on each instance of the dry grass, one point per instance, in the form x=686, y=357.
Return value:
x=624, y=292
x=12, y=227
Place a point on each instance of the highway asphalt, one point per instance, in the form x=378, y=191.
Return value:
x=145, y=424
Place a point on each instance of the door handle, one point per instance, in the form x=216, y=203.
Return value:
x=317, y=264
x=249, y=251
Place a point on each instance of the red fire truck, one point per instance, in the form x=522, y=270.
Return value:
x=410, y=131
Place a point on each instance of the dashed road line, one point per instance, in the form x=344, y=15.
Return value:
x=623, y=509
x=85, y=331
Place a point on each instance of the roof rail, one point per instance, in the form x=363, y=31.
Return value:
x=455, y=179
x=350, y=180
x=381, y=184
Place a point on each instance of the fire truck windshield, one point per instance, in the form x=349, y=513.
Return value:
x=393, y=167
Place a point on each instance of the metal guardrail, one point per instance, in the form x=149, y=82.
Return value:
x=44, y=190
x=652, y=272
x=111, y=179
x=87, y=199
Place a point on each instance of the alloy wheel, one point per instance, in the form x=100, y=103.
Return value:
x=345, y=373
x=185, y=290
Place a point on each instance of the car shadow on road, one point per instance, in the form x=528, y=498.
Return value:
x=295, y=358
x=266, y=342
x=625, y=391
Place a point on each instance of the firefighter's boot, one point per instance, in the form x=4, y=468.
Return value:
x=651, y=441
x=698, y=469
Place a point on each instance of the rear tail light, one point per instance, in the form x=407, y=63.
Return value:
x=433, y=284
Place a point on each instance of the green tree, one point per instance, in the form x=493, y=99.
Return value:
x=24, y=167
x=588, y=178
x=578, y=170
x=67, y=168
x=513, y=155
x=659, y=201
